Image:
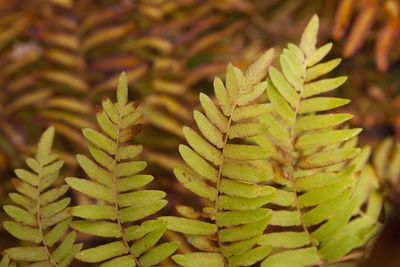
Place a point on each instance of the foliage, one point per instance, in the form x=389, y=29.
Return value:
x=369, y=11
x=115, y=179
x=39, y=217
x=309, y=170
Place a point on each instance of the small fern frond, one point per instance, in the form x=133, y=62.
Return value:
x=114, y=182
x=315, y=166
x=39, y=217
x=219, y=171
x=386, y=162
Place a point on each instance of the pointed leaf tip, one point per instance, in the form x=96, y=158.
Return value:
x=122, y=89
x=45, y=143
x=309, y=37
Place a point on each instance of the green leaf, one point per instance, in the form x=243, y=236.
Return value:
x=319, y=54
x=198, y=164
x=244, y=173
x=138, y=231
x=147, y=242
x=245, y=231
x=53, y=208
x=103, y=252
x=139, y=197
x=245, y=190
x=27, y=253
x=258, y=69
x=326, y=158
x=250, y=111
x=239, y=248
x=231, y=218
x=316, y=104
x=251, y=257
x=222, y=97
x=20, y=215
x=128, y=152
x=97, y=228
x=258, y=90
x=57, y=232
x=209, y=131
x=130, y=168
x=312, y=122
x=100, y=140
x=244, y=152
x=199, y=259
x=284, y=239
x=239, y=203
x=93, y=212
x=27, y=176
x=309, y=37
x=64, y=248
x=94, y=171
x=284, y=88
x=139, y=212
x=105, y=123
x=133, y=182
x=123, y=261
x=292, y=258
x=281, y=106
x=44, y=145
x=91, y=189
x=158, y=253
x=53, y=194
x=213, y=113
x=321, y=69
x=189, y=226
x=122, y=89
x=195, y=184
x=22, y=232
x=201, y=146
x=322, y=86
x=285, y=218
x=323, y=139
x=243, y=130
x=101, y=157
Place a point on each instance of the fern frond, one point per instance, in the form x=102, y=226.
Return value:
x=386, y=162
x=115, y=182
x=219, y=171
x=39, y=217
x=320, y=175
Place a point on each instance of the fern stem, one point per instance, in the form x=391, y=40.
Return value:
x=221, y=163
x=292, y=165
x=38, y=217
x=116, y=208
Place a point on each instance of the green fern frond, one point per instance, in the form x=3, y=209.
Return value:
x=320, y=175
x=39, y=217
x=219, y=171
x=386, y=162
x=114, y=182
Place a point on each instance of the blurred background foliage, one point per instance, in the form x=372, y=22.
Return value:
x=58, y=57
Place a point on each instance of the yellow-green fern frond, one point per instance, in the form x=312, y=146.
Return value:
x=320, y=175
x=219, y=171
x=40, y=216
x=386, y=162
x=116, y=184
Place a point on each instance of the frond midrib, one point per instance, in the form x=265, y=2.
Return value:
x=38, y=217
x=115, y=195
x=221, y=163
x=292, y=165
